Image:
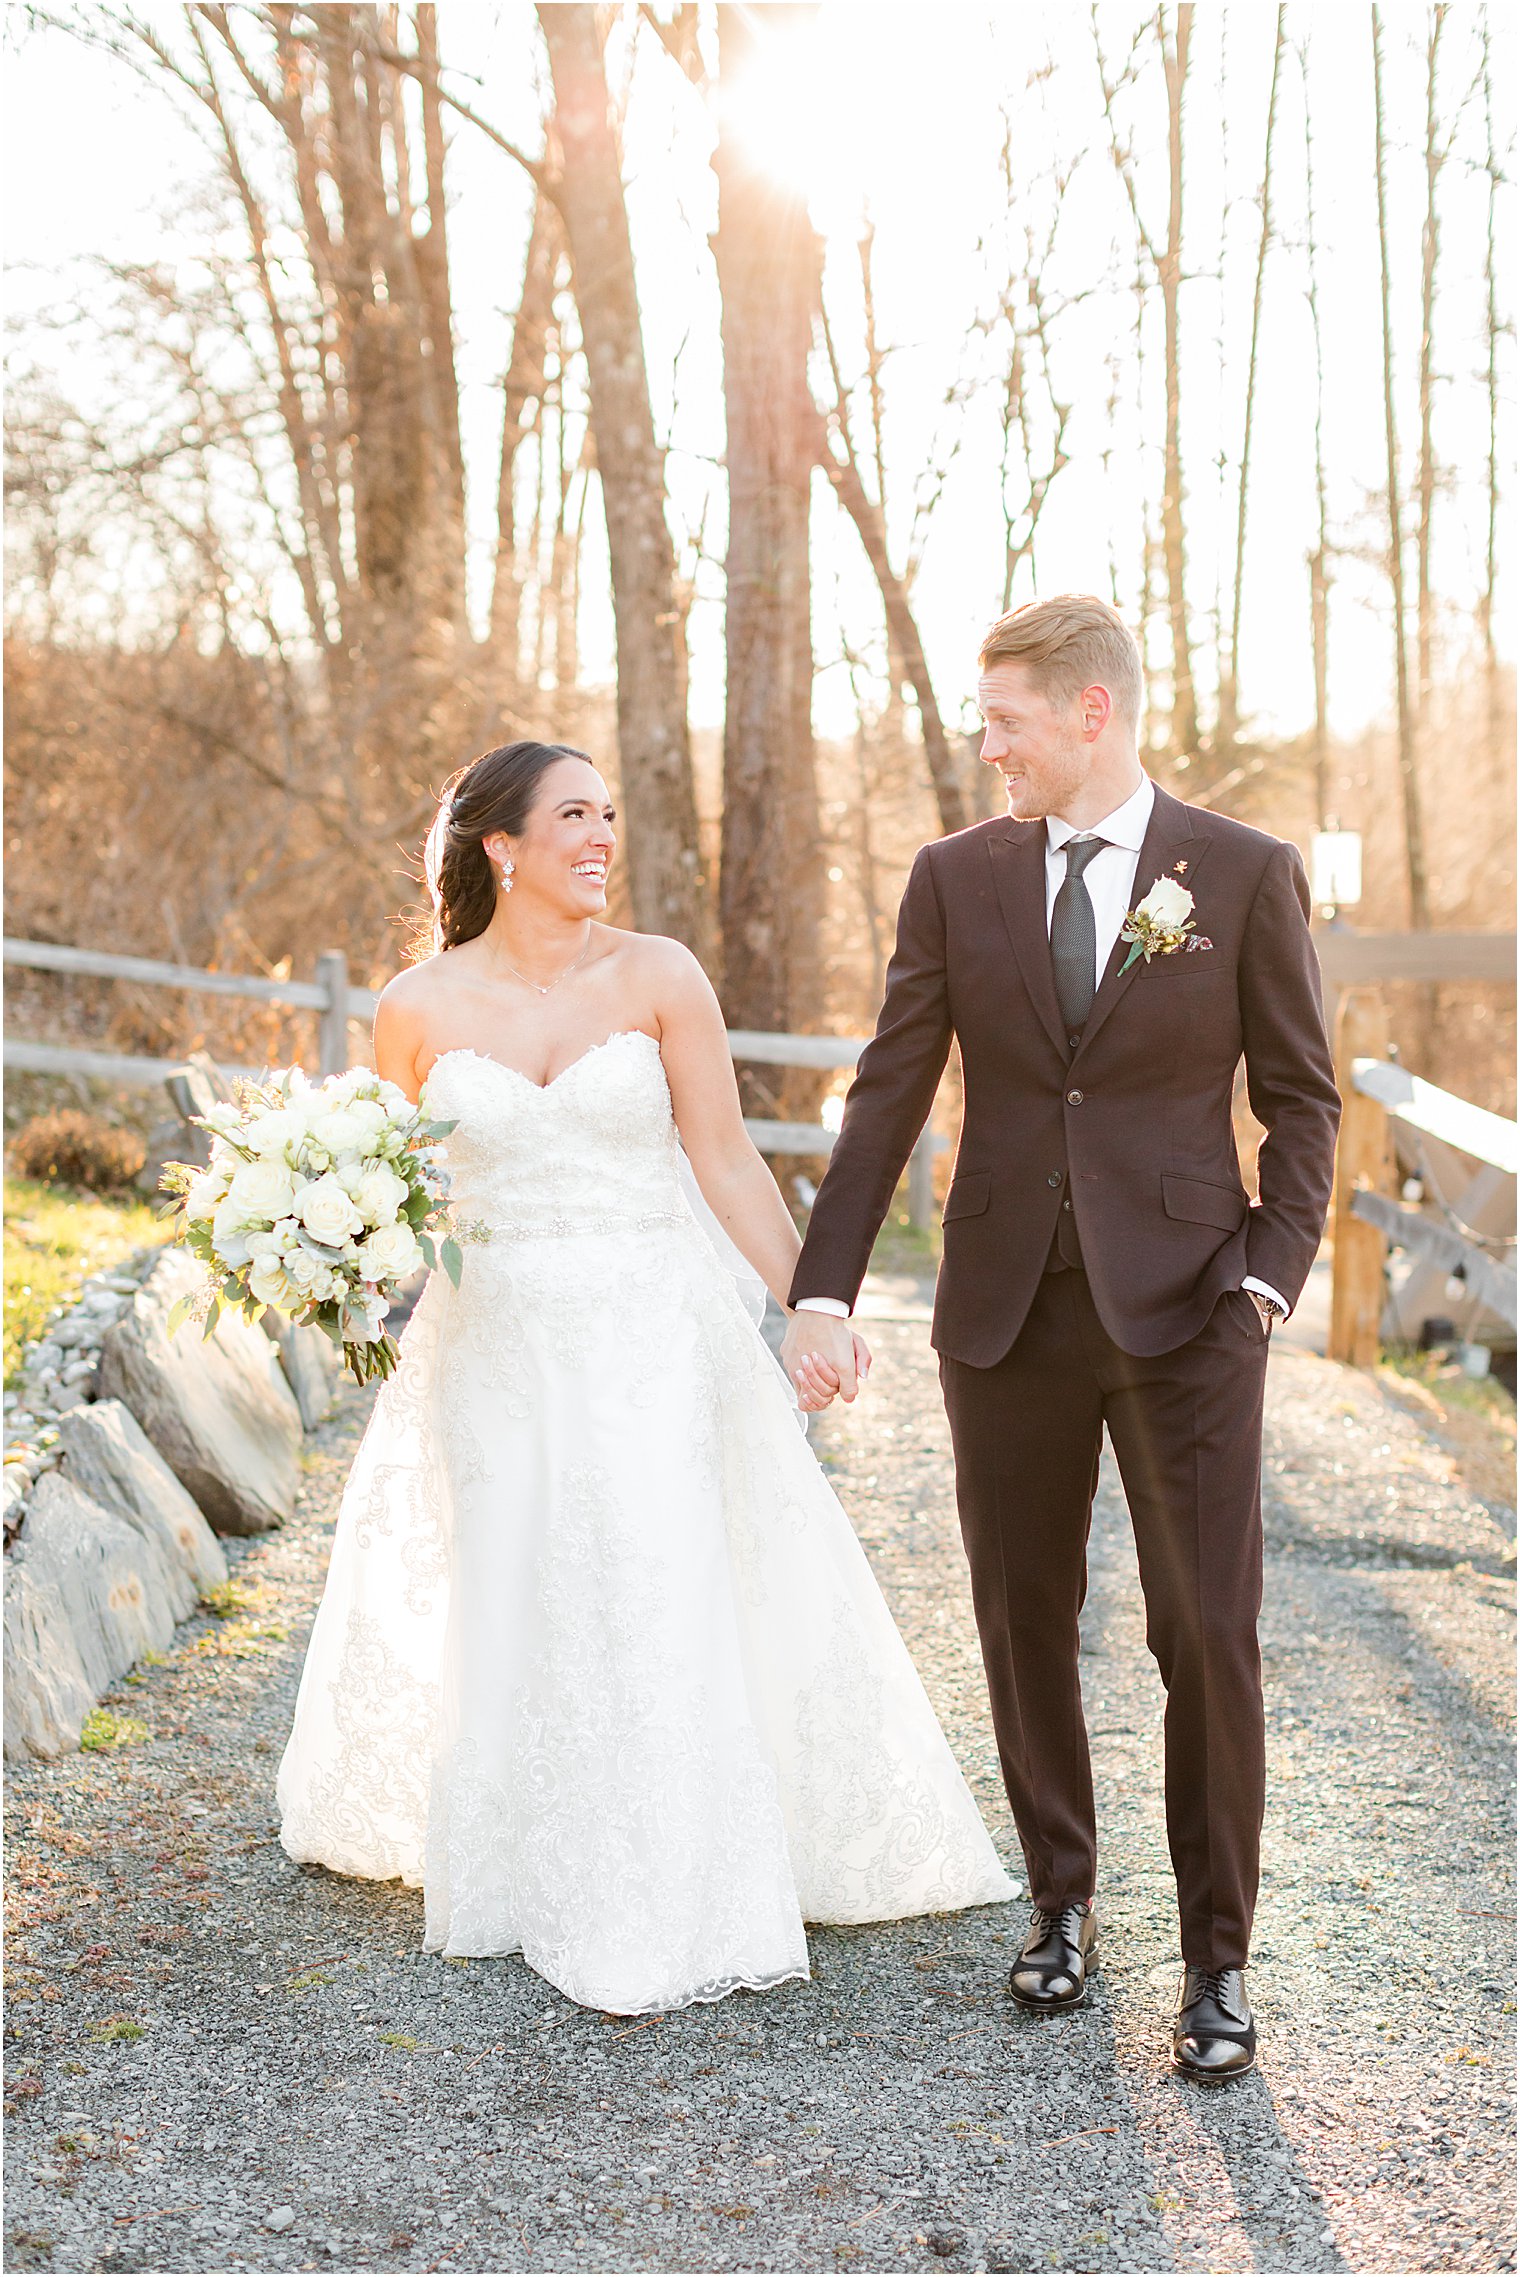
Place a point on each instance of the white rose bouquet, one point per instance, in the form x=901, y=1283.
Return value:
x=318, y=1199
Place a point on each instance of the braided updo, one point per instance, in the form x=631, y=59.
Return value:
x=494, y=792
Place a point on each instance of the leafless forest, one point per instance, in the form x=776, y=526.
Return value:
x=252, y=624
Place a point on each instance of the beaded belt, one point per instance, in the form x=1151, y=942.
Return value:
x=555, y=1229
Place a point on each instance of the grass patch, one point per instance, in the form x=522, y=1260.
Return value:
x=104, y=1729
x=308, y=1981
x=398, y=2040
x=118, y=2028
x=229, y=1598
x=56, y=1237
x=1472, y=1418
x=1451, y=1385
x=240, y=1640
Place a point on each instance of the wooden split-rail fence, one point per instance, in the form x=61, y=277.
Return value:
x=337, y=1004
x=1468, y=1154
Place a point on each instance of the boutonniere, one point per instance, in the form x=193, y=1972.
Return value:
x=1159, y=925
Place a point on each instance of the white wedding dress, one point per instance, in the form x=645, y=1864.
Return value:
x=600, y=1663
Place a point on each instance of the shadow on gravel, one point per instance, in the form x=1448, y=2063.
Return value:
x=1414, y=1669
x=1241, y=2126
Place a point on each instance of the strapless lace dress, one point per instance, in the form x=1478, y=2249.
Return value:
x=600, y=1663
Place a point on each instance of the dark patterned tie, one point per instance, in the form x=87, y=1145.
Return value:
x=1074, y=936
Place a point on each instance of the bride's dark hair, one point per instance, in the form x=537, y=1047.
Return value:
x=494, y=792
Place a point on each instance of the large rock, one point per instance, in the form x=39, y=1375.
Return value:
x=47, y=1693
x=311, y=1363
x=217, y=1408
x=93, y=1597
x=111, y=1457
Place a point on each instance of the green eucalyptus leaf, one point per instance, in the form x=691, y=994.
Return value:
x=451, y=1257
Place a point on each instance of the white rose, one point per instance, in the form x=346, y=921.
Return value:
x=229, y=1231
x=398, y=1107
x=303, y=1271
x=273, y=1133
x=340, y=1131
x=393, y=1252
x=364, y=1316
x=1167, y=903
x=204, y=1194
x=326, y=1212
x=263, y=1191
x=264, y=1245
x=379, y=1194
x=268, y=1283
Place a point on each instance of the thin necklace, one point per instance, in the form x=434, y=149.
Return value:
x=543, y=987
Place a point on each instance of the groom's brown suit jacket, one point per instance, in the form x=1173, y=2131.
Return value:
x=1133, y=1126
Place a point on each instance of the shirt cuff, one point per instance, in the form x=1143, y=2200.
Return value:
x=833, y=1306
x=1265, y=1289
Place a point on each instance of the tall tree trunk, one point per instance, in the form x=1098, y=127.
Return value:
x=654, y=745
x=1414, y=834
x=522, y=392
x=1319, y=559
x=1429, y=249
x=770, y=275
x=1184, y=733
x=1494, y=331
x=1229, y=692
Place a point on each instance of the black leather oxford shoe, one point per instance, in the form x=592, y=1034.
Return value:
x=1213, y=2032
x=1059, y=1955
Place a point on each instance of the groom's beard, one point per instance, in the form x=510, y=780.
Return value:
x=1044, y=790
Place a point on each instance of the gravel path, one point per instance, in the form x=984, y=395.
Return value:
x=217, y=2059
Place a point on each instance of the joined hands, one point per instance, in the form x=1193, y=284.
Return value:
x=824, y=1359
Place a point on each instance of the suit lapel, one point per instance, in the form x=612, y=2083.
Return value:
x=1018, y=867
x=1169, y=838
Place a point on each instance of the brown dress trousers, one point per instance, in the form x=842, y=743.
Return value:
x=1115, y=1147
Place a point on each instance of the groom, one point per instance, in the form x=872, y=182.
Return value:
x=1102, y=1264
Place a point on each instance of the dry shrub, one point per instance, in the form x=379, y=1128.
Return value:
x=71, y=1149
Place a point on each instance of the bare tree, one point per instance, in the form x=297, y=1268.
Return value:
x=1165, y=259
x=1429, y=252
x=769, y=271
x=1035, y=430
x=1414, y=834
x=522, y=389
x=1229, y=691
x=1319, y=558
x=1493, y=332
x=836, y=451
x=654, y=744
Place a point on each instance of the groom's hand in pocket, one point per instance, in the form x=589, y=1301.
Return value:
x=823, y=1358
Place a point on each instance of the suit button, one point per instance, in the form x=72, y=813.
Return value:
x=1066, y=1205
x=1073, y=1042
x=1055, y=1177
x=1073, y=1098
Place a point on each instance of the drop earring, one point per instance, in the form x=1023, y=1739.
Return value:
x=508, y=867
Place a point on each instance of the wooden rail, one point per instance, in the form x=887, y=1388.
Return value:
x=336, y=1003
x=1379, y=1096
x=1348, y=959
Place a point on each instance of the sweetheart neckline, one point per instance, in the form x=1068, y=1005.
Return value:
x=468, y=1051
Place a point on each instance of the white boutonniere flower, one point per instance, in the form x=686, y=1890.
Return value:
x=1160, y=924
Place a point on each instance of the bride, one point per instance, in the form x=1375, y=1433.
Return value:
x=600, y=1663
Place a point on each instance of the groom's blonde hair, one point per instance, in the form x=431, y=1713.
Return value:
x=1067, y=644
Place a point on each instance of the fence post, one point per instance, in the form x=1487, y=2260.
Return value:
x=332, y=1020
x=921, y=1179
x=1363, y=1159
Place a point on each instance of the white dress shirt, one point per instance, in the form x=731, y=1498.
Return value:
x=1110, y=881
